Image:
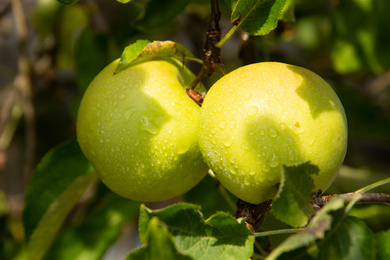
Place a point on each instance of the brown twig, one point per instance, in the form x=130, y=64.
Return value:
x=320, y=202
x=253, y=214
x=211, y=54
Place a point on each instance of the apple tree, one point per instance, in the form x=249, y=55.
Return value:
x=196, y=129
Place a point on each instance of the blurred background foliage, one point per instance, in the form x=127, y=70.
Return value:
x=347, y=42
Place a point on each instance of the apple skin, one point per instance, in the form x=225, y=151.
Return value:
x=138, y=129
x=265, y=115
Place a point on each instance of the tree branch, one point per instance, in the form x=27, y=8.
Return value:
x=211, y=53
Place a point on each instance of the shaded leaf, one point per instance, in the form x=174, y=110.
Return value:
x=206, y=195
x=144, y=50
x=158, y=244
x=91, y=238
x=59, y=180
x=218, y=237
x=292, y=203
x=382, y=245
x=158, y=13
x=315, y=230
x=257, y=17
x=349, y=239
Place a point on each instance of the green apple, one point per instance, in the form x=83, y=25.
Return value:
x=138, y=128
x=265, y=115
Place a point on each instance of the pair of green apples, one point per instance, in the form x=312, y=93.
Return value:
x=149, y=141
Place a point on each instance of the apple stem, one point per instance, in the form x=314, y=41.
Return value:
x=253, y=214
x=211, y=53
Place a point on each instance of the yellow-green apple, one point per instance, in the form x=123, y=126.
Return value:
x=265, y=115
x=138, y=128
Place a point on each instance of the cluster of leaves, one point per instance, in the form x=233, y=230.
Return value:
x=181, y=231
x=203, y=227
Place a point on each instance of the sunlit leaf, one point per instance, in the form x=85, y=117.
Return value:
x=292, y=203
x=257, y=17
x=218, y=237
x=144, y=50
x=158, y=244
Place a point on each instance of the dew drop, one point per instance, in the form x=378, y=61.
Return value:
x=228, y=142
x=283, y=126
x=272, y=132
x=148, y=125
x=262, y=132
x=212, y=130
x=232, y=124
x=274, y=161
x=252, y=111
x=222, y=124
x=219, y=109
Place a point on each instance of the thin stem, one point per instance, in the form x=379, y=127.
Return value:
x=278, y=232
x=227, y=36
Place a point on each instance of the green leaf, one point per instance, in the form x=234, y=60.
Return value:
x=91, y=238
x=158, y=244
x=206, y=195
x=382, y=245
x=257, y=17
x=158, y=13
x=292, y=203
x=67, y=2
x=315, y=230
x=288, y=14
x=59, y=180
x=144, y=50
x=349, y=239
x=218, y=237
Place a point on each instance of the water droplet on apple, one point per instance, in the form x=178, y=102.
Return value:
x=262, y=132
x=148, y=125
x=252, y=111
x=272, y=132
x=228, y=142
x=222, y=124
x=283, y=126
x=232, y=124
x=219, y=109
x=274, y=161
